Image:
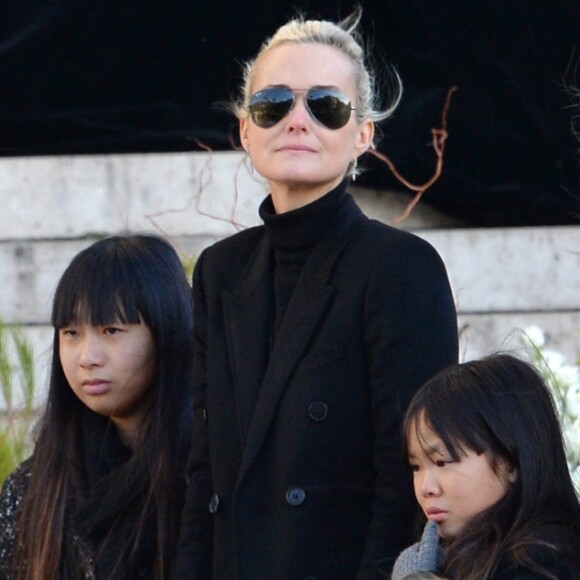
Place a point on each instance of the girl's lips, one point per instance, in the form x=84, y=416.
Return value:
x=436, y=515
x=95, y=387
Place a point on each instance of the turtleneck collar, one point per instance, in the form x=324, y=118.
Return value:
x=302, y=227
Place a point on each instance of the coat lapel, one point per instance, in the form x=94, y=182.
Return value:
x=310, y=300
x=247, y=324
x=302, y=318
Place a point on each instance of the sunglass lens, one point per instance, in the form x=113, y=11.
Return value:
x=330, y=108
x=270, y=106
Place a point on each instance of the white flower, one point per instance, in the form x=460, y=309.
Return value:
x=568, y=376
x=576, y=478
x=573, y=402
x=553, y=360
x=572, y=436
x=535, y=335
x=564, y=382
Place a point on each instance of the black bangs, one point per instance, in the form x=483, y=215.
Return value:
x=469, y=407
x=450, y=406
x=97, y=288
x=457, y=428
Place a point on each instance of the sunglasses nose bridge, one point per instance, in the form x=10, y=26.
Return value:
x=299, y=105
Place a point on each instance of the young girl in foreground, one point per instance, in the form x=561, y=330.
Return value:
x=102, y=493
x=490, y=474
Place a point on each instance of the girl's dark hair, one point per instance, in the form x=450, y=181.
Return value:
x=501, y=406
x=116, y=279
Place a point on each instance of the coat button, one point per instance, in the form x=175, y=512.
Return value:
x=295, y=496
x=318, y=411
x=214, y=503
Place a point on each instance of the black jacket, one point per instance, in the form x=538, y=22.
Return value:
x=297, y=469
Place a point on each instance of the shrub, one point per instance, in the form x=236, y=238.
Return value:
x=17, y=388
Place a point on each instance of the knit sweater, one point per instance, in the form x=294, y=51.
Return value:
x=293, y=234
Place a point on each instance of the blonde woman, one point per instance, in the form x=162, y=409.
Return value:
x=312, y=333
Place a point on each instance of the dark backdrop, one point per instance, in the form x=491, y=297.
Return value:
x=94, y=76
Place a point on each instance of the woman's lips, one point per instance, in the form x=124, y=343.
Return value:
x=297, y=148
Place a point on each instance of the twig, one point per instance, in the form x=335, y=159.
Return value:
x=439, y=136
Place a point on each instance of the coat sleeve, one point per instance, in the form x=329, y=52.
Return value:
x=410, y=333
x=194, y=558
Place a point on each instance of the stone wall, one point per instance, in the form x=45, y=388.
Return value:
x=52, y=207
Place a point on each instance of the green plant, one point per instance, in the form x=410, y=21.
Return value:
x=188, y=261
x=17, y=387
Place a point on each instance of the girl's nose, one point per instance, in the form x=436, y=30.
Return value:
x=429, y=485
x=91, y=353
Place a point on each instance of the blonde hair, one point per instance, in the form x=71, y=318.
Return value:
x=343, y=36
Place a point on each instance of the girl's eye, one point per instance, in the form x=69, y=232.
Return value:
x=70, y=332
x=443, y=462
x=112, y=330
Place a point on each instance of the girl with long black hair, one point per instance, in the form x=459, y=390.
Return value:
x=101, y=495
x=490, y=474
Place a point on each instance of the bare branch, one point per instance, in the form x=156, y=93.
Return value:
x=439, y=137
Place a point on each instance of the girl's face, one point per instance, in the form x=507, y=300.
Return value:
x=110, y=369
x=301, y=159
x=452, y=492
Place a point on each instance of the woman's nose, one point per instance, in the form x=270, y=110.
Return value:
x=298, y=118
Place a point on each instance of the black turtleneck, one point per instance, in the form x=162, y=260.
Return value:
x=292, y=235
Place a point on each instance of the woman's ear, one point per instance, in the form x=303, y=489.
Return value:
x=366, y=132
x=244, y=138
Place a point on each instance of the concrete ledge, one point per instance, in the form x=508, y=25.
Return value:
x=482, y=334
x=512, y=269
x=31, y=270
x=498, y=293
x=207, y=194
x=76, y=196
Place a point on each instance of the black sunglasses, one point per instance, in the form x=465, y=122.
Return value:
x=327, y=106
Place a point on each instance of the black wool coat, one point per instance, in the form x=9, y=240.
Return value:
x=297, y=469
